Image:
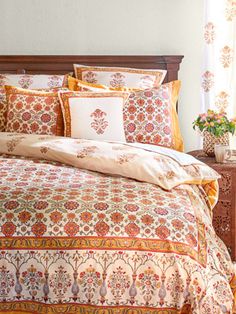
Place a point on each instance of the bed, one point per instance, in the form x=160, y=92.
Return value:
x=107, y=227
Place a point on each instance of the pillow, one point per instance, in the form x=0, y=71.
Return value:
x=95, y=116
x=32, y=111
x=150, y=116
x=3, y=109
x=117, y=77
x=82, y=86
x=29, y=81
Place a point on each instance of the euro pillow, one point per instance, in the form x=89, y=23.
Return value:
x=77, y=85
x=117, y=77
x=36, y=81
x=33, y=112
x=95, y=116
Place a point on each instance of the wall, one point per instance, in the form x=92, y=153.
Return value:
x=112, y=27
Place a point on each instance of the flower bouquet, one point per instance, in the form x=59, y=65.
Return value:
x=215, y=127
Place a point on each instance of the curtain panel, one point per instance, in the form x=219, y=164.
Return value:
x=219, y=73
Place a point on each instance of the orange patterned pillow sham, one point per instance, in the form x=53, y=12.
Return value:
x=33, y=112
x=27, y=81
x=150, y=116
x=117, y=77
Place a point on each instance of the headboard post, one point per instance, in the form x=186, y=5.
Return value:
x=172, y=67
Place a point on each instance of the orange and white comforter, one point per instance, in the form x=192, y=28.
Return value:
x=97, y=227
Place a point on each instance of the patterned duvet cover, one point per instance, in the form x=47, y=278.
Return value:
x=97, y=227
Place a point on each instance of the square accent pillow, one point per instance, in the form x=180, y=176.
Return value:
x=117, y=77
x=33, y=112
x=39, y=81
x=95, y=116
x=150, y=116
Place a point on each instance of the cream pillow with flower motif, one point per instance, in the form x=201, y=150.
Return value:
x=117, y=77
x=36, y=81
x=95, y=116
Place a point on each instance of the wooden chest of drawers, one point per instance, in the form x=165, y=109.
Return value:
x=224, y=217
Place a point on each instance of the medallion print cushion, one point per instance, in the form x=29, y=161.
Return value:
x=94, y=115
x=79, y=241
x=28, y=82
x=31, y=111
x=150, y=116
x=117, y=77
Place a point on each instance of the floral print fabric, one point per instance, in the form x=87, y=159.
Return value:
x=117, y=77
x=27, y=82
x=219, y=75
x=150, y=116
x=77, y=241
x=33, y=112
x=153, y=164
x=96, y=116
x=3, y=109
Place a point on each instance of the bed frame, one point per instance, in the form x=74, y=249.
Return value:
x=61, y=64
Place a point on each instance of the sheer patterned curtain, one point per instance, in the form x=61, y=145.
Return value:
x=219, y=74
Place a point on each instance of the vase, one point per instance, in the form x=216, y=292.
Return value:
x=209, y=141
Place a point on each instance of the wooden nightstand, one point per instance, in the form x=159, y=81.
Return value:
x=224, y=214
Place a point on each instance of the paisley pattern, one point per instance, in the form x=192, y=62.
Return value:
x=78, y=241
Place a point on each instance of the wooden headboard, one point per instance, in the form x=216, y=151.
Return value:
x=64, y=64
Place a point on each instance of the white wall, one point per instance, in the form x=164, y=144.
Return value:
x=112, y=27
